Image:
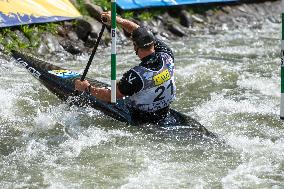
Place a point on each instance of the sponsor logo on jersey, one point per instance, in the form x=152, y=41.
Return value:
x=130, y=78
x=162, y=77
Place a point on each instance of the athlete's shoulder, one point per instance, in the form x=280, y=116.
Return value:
x=162, y=47
x=132, y=75
x=130, y=83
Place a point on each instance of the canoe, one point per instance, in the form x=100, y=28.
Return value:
x=60, y=82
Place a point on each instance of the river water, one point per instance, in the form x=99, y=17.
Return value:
x=229, y=82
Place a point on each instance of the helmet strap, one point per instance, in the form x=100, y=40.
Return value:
x=136, y=48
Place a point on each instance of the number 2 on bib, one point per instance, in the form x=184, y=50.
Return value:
x=161, y=89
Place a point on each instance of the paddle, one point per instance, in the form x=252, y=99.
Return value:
x=93, y=53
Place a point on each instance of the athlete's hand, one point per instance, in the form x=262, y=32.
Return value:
x=81, y=85
x=106, y=18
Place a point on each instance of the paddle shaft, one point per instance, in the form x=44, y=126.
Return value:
x=93, y=53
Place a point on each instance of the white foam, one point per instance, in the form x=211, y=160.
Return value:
x=266, y=86
x=7, y=108
x=36, y=149
x=219, y=105
x=44, y=121
x=157, y=174
x=90, y=137
x=260, y=157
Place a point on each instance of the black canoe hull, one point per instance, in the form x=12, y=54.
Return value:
x=63, y=87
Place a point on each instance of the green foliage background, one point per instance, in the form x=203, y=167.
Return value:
x=9, y=40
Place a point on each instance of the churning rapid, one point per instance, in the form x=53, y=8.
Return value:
x=228, y=81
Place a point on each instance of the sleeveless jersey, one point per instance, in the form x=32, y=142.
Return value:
x=159, y=87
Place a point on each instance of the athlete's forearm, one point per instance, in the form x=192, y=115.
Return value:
x=128, y=25
x=104, y=94
x=101, y=93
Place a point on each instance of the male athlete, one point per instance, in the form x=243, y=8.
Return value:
x=149, y=85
